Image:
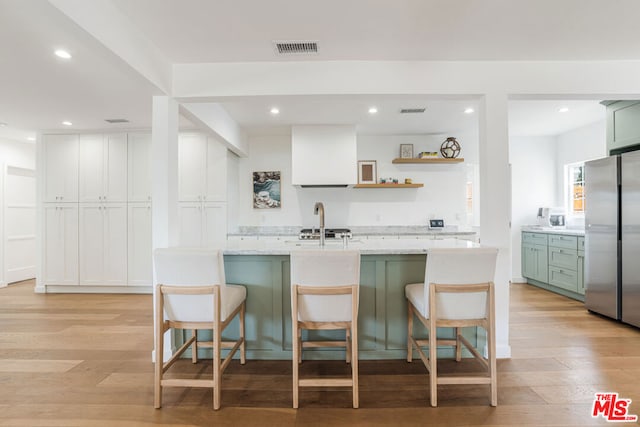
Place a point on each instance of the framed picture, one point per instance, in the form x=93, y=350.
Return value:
x=266, y=190
x=367, y=173
x=406, y=151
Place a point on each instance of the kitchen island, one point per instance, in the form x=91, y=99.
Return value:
x=386, y=267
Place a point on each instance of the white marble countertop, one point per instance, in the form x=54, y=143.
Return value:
x=366, y=247
x=553, y=230
x=358, y=231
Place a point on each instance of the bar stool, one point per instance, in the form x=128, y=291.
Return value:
x=458, y=292
x=192, y=294
x=324, y=296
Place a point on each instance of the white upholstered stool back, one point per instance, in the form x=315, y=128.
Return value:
x=459, y=266
x=190, y=267
x=325, y=268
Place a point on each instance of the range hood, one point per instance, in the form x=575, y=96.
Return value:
x=323, y=156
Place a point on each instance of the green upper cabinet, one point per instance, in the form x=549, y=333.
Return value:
x=623, y=124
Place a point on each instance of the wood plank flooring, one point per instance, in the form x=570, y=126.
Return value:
x=84, y=360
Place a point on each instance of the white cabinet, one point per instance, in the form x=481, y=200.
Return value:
x=103, y=168
x=203, y=224
x=140, y=265
x=60, y=178
x=139, y=166
x=60, y=258
x=103, y=244
x=202, y=169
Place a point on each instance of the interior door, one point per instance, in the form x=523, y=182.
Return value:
x=20, y=224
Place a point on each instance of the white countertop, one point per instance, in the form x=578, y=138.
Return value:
x=366, y=247
x=553, y=230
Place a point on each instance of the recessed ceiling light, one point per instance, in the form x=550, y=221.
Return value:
x=2, y=124
x=31, y=138
x=469, y=110
x=373, y=110
x=60, y=53
x=563, y=109
x=275, y=111
x=67, y=123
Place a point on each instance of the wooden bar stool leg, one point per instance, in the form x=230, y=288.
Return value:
x=409, y=331
x=348, y=345
x=157, y=389
x=243, y=354
x=194, y=347
x=458, y=345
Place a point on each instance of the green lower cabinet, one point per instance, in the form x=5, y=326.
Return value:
x=563, y=278
x=557, y=266
x=534, y=262
x=382, y=309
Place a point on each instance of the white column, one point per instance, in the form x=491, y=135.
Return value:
x=164, y=207
x=495, y=205
x=164, y=210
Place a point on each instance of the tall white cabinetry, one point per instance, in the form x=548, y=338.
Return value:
x=202, y=190
x=103, y=209
x=96, y=216
x=60, y=209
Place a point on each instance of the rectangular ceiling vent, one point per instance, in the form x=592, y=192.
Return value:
x=116, y=121
x=412, y=110
x=291, y=47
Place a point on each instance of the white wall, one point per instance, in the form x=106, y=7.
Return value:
x=579, y=145
x=533, y=175
x=15, y=254
x=443, y=194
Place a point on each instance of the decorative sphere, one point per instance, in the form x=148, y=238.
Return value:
x=450, y=148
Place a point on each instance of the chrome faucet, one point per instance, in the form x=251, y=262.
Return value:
x=319, y=209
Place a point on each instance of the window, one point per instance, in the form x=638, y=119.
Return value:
x=575, y=175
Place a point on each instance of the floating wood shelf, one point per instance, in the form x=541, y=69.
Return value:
x=388, y=185
x=429, y=160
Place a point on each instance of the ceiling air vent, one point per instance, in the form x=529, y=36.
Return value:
x=296, y=47
x=412, y=110
x=112, y=121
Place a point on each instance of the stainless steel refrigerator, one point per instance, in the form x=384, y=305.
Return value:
x=612, y=237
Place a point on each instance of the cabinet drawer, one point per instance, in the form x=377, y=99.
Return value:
x=581, y=243
x=560, y=241
x=563, y=278
x=563, y=258
x=534, y=238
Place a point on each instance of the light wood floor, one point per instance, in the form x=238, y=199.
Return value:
x=84, y=360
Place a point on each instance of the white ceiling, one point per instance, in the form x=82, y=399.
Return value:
x=38, y=91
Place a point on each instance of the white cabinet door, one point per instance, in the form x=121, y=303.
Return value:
x=202, y=169
x=91, y=168
x=115, y=178
x=103, y=244
x=60, y=155
x=60, y=245
x=216, y=179
x=190, y=218
x=139, y=165
x=140, y=264
x=91, y=244
x=215, y=224
x=203, y=224
x=103, y=168
x=115, y=249
x=192, y=167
